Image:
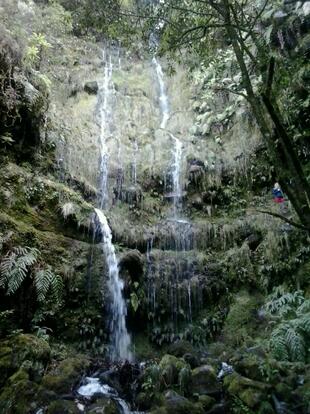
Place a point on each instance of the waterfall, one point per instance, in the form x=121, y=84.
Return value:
x=176, y=173
x=120, y=339
x=134, y=163
x=163, y=98
x=106, y=92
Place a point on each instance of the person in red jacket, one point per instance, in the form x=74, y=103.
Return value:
x=277, y=193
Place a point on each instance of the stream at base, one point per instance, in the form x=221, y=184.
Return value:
x=94, y=389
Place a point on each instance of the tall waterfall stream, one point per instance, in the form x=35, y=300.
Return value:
x=119, y=337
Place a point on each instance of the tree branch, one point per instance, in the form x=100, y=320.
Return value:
x=291, y=222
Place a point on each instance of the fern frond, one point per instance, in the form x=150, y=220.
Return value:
x=14, y=267
x=304, y=308
x=278, y=345
x=303, y=323
x=282, y=302
x=296, y=345
x=45, y=280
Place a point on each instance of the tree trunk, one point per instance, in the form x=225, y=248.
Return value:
x=282, y=153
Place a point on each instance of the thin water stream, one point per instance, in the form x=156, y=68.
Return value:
x=119, y=337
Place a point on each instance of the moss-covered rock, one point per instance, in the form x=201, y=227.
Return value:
x=180, y=348
x=62, y=407
x=252, y=393
x=103, y=406
x=19, y=349
x=170, y=367
x=176, y=404
x=206, y=401
x=63, y=377
x=204, y=380
x=17, y=396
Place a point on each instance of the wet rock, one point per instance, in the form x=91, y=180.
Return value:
x=206, y=401
x=170, y=367
x=103, y=406
x=251, y=392
x=221, y=408
x=15, y=351
x=176, y=404
x=91, y=87
x=132, y=262
x=17, y=396
x=111, y=378
x=179, y=348
x=192, y=360
x=254, y=240
x=64, y=376
x=197, y=202
x=62, y=407
x=204, y=380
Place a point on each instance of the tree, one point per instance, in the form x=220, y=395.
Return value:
x=198, y=25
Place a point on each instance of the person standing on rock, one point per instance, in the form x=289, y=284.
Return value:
x=278, y=198
x=277, y=193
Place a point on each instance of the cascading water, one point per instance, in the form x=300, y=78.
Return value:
x=120, y=338
x=106, y=92
x=176, y=174
x=163, y=98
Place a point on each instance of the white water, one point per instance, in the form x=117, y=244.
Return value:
x=106, y=92
x=176, y=173
x=134, y=164
x=93, y=387
x=119, y=337
x=163, y=98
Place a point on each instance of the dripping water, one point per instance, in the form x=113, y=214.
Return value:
x=106, y=92
x=119, y=337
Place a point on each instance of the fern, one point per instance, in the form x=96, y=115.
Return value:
x=282, y=302
x=15, y=266
x=46, y=281
x=288, y=340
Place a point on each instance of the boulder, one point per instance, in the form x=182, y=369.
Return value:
x=176, y=404
x=24, y=349
x=103, y=406
x=170, y=367
x=91, y=87
x=62, y=407
x=250, y=392
x=63, y=377
x=204, y=381
x=180, y=348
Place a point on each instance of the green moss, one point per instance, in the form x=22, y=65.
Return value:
x=206, y=401
x=64, y=376
x=252, y=393
x=240, y=323
x=17, y=397
x=62, y=407
x=170, y=367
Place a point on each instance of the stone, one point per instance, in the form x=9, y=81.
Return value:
x=191, y=359
x=204, y=381
x=206, y=401
x=170, y=367
x=176, y=404
x=91, y=87
x=179, y=348
x=251, y=392
x=103, y=406
x=63, y=377
x=62, y=407
x=15, y=351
